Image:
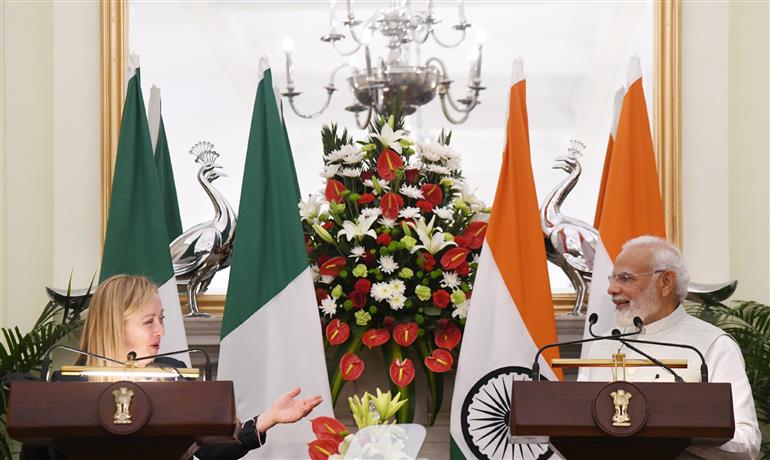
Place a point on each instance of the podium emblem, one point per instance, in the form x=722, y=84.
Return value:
x=122, y=406
x=621, y=398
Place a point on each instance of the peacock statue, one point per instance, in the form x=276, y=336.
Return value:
x=200, y=252
x=570, y=243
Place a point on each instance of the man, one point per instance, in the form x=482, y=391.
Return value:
x=650, y=281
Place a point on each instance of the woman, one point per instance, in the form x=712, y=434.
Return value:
x=125, y=315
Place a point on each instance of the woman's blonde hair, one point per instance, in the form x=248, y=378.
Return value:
x=117, y=298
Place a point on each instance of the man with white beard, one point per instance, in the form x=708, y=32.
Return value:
x=650, y=281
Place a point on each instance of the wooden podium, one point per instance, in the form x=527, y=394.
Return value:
x=121, y=420
x=592, y=420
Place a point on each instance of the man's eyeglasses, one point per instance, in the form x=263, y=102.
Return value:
x=627, y=278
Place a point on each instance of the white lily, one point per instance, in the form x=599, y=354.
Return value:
x=389, y=138
x=431, y=242
x=359, y=228
x=467, y=196
x=309, y=210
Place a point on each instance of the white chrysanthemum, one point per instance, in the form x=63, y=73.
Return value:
x=354, y=158
x=336, y=155
x=398, y=286
x=357, y=252
x=387, y=264
x=409, y=212
x=350, y=172
x=450, y=280
x=411, y=191
x=397, y=301
x=448, y=153
x=328, y=306
x=330, y=171
x=461, y=310
x=475, y=259
x=387, y=223
x=438, y=169
x=431, y=152
x=384, y=186
x=381, y=291
x=453, y=164
x=371, y=212
x=444, y=212
x=314, y=273
x=309, y=210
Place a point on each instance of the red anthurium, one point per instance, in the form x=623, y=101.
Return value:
x=462, y=241
x=453, y=258
x=405, y=333
x=365, y=198
x=424, y=205
x=475, y=233
x=351, y=366
x=447, y=334
x=432, y=193
x=321, y=449
x=402, y=371
x=391, y=203
x=333, y=266
x=375, y=337
x=334, y=189
x=439, y=361
x=329, y=428
x=337, y=332
x=387, y=164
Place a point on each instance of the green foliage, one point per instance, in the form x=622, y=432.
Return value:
x=749, y=324
x=23, y=353
x=331, y=141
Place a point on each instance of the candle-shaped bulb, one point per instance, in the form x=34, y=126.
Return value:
x=481, y=36
x=461, y=11
x=288, y=45
x=366, y=36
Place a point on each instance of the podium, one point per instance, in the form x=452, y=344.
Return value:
x=121, y=420
x=592, y=420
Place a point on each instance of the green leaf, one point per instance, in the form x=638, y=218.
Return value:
x=435, y=381
x=353, y=345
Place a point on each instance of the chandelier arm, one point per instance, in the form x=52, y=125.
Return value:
x=467, y=109
x=441, y=65
x=444, y=108
x=329, y=91
x=346, y=53
x=424, y=38
x=448, y=45
x=366, y=122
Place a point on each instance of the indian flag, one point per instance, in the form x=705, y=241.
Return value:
x=136, y=242
x=631, y=205
x=511, y=313
x=271, y=333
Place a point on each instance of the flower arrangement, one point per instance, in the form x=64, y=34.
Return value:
x=394, y=241
x=334, y=441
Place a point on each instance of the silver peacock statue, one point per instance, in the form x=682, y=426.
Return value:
x=570, y=243
x=200, y=252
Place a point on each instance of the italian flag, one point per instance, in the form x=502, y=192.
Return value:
x=271, y=333
x=511, y=313
x=136, y=241
x=630, y=204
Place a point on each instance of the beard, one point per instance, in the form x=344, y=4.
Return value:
x=642, y=306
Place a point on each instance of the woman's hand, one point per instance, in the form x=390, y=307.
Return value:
x=286, y=409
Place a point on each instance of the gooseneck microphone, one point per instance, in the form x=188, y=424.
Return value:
x=658, y=363
x=535, y=372
x=704, y=371
x=206, y=366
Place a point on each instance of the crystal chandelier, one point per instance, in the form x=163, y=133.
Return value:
x=393, y=78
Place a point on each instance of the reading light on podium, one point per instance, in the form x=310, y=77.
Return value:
x=129, y=373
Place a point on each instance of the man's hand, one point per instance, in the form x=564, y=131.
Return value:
x=286, y=409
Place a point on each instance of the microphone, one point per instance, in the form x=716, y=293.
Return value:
x=44, y=368
x=625, y=343
x=592, y=320
x=704, y=371
x=206, y=366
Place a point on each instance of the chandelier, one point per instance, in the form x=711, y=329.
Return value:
x=394, y=78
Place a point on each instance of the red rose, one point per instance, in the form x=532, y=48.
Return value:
x=425, y=205
x=366, y=175
x=368, y=258
x=320, y=294
x=405, y=334
x=432, y=193
x=375, y=337
x=363, y=285
x=328, y=225
x=384, y=239
x=329, y=428
x=441, y=298
x=321, y=449
x=323, y=258
x=334, y=189
x=439, y=361
x=358, y=298
x=475, y=234
x=412, y=175
x=351, y=367
x=337, y=332
x=388, y=322
x=365, y=198
x=333, y=266
x=388, y=163
x=402, y=372
x=391, y=203
x=447, y=334
x=463, y=269
x=453, y=258
x=428, y=262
